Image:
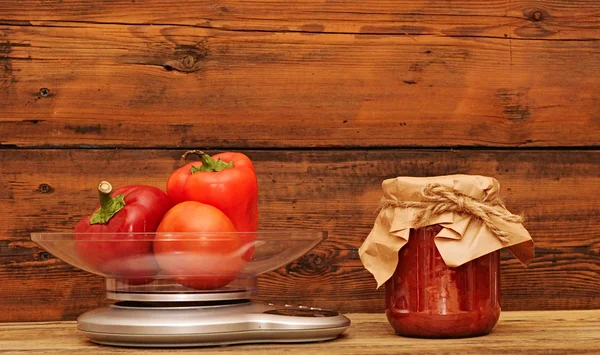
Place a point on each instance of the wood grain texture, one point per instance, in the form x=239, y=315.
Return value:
x=549, y=19
x=277, y=79
x=81, y=84
x=528, y=333
x=333, y=190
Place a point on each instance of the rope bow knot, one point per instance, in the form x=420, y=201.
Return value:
x=437, y=199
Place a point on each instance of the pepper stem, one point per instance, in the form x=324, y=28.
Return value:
x=208, y=163
x=109, y=206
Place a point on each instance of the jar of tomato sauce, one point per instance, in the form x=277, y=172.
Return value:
x=435, y=245
x=425, y=298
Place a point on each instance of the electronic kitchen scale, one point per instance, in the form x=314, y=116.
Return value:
x=192, y=297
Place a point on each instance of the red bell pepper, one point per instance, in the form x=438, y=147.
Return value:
x=226, y=181
x=131, y=209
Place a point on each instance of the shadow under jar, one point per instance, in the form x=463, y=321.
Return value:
x=425, y=298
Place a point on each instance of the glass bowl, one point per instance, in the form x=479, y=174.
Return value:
x=189, y=266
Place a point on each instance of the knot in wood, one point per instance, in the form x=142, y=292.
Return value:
x=537, y=16
x=188, y=58
x=317, y=260
x=188, y=62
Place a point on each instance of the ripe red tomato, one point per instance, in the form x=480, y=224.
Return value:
x=206, y=260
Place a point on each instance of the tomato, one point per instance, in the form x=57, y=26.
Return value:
x=208, y=255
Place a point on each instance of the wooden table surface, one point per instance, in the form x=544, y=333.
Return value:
x=542, y=332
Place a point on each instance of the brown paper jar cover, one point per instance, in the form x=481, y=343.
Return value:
x=463, y=237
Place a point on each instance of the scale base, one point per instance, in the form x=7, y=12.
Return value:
x=159, y=324
x=199, y=340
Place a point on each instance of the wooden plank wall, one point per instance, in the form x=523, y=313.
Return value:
x=328, y=98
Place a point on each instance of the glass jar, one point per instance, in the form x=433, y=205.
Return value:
x=425, y=298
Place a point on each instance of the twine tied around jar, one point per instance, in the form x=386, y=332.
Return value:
x=437, y=199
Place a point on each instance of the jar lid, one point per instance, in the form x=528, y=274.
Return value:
x=473, y=218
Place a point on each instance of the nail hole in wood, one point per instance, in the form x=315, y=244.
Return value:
x=45, y=189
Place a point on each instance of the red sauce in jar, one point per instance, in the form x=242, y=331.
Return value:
x=427, y=299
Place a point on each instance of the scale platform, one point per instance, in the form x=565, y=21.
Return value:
x=158, y=308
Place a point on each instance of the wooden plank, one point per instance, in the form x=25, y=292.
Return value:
x=552, y=19
x=81, y=84
x=333, y=190
x=561, y=332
